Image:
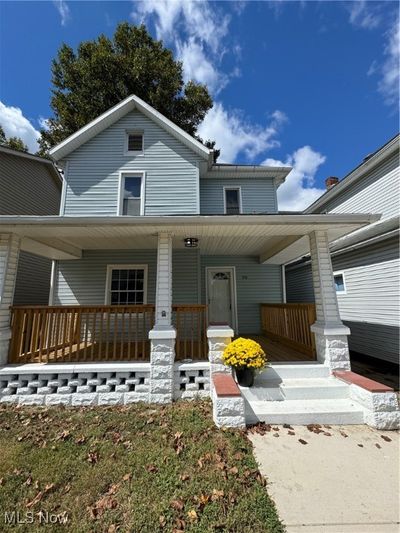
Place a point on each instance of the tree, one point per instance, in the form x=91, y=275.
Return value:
x=104, y=71
x=12, y=142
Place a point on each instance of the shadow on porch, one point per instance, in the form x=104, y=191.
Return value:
x=277, y=352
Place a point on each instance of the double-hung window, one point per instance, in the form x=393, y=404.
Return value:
x=232, y=201
x=131, y=195
x=126, y=284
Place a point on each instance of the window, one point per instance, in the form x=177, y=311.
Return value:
x=131, y=195
x=338, y=280
x=232, y=201
x=134, y=143
x=126, y=284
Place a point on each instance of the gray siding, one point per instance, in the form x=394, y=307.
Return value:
x=83, y=281
x=255, y=284
x=27, y=187
x=371, y=305
x=33, y=280
x=376, y=192
x=171, y=171
x=299, y=284
x=258, y=195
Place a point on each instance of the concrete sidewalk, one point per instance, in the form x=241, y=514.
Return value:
x=341, y=479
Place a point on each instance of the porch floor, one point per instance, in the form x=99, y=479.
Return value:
x=277, y=352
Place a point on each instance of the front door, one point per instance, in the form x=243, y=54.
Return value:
x=221, y=296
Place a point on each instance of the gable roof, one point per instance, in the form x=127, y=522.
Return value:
x=26, y=155
x=388, y=149
x=108, y=118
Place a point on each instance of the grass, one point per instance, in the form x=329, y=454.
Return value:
x=137, y=468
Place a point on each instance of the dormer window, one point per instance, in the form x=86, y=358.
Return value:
x=134, y=142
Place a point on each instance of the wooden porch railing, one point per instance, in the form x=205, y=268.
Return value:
x=190, y=322
x=80, y=333
x=56, y=334
x=290, y=324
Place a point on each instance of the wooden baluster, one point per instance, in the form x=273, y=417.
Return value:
x=115, y=333
x=137, y=333
x=129, y=332
x=108, y=315
x=93, y=335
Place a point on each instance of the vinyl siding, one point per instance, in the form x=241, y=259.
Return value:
x=255, y=284
x=171, y=168
x=258, y=195
x=83, y=281
x=33, y=280
x=27, y=187
x=371, y=305
x=376, y=192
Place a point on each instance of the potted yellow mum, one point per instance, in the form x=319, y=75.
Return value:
x=245, y=356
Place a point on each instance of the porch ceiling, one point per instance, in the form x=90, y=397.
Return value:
x=275, y=239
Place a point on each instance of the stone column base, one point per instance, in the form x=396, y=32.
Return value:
x=5, y=336
x=218, y=339
x=162, y=356
x=332, y=346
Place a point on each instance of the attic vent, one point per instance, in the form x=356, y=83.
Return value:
x=135, y=142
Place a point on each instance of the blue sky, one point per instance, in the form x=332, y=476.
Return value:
x=309, y=84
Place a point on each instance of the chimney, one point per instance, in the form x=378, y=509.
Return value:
x=331, y=182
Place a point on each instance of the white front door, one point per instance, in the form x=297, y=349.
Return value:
x=221, y=296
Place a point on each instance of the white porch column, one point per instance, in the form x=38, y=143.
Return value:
x=218, y=339
x=9, y=253
x=330, y=332
x=162, y=336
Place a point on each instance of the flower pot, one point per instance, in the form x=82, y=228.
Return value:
x=245, y=376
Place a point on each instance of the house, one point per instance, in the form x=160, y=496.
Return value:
x=29, y=185
x=161, y=257
x=366, y=263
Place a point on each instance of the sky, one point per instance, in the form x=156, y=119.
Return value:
x=312, y=85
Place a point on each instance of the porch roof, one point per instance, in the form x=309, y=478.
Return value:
x=275, y=238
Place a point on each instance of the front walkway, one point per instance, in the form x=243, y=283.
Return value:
x=335, y=479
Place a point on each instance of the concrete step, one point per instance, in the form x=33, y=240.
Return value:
x=278, y=372
x=298, y=389
x=300, y=412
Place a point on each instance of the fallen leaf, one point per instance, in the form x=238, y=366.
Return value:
x=178, y=505
x=192, y=514
x=303, y=441
x=360, y=445
x=151, y=468
x=287, y=426
x=184, y=477
x=217, y=494
x=127, y=477
x=343, y=434
x=162, y=521
x=327, y=434
x=378, y=445
x=386, y=438
x=234, y=470
x=93, y=457
x=291, y=433
x=276, y=434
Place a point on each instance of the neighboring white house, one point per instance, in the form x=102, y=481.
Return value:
x=366, y=263
x=29, y=185
x=161, y=257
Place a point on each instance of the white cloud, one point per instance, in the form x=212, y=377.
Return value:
x=63, y=10
x=364, y=14
x=195, y=30
x=390, y=71
x=16, y=125
x=299, y=189
x=198, y=67
x=44, y=123
x=235, y=135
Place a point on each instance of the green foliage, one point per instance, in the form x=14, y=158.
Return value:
x=131, y=468
x=102, y=72
x=12, y=142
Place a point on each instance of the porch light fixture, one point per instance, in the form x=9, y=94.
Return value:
x=191, y=242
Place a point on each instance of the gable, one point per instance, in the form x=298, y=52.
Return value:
x=115, y=114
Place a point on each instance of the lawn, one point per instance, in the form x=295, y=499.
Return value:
x=135, y=468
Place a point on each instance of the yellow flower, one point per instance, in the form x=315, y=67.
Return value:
x=244, y=353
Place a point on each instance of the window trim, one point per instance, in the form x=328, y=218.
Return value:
x=110, y=268
x=239, y=189
x=126, y=144
x=340, y=273
x=131, y=174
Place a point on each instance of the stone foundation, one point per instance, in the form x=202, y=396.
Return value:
x=191, y=380
x=72, y=386
x=162, y=355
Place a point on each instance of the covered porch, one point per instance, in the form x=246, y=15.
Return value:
x=81, y=325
